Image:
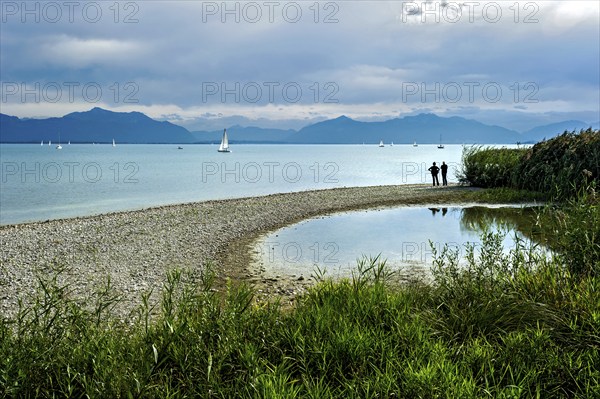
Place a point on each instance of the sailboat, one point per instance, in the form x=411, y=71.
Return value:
x=114, y=145
x=392, y=144
x=59, y=147
x=415, y=143
x=224, y=147
x=441, y=146
x=42, y=143
x=49, y=143
x=381, y=143
x=69, y=142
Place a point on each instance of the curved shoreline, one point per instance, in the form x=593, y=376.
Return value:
x=136, y=249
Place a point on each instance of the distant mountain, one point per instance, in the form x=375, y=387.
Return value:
x=239, y=134
x=423, y=128
x=209, y=122
x=95, y=126
x=548, y=131
x=99, y=125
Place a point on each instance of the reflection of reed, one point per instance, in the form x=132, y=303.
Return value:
x=522, y=220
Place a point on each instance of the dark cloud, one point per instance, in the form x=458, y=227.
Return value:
x=166, y=55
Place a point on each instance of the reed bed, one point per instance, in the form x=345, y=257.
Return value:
x=559, y=167
x=506, y=325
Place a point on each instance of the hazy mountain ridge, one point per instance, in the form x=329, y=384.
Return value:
x=94, y=126
x=548, y=131
x=100, y=125
x=422, y=128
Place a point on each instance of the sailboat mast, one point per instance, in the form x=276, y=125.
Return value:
x=224, y=147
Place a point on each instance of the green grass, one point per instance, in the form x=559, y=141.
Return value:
x=515, y=325
x=491, y=167
x=507, y=195
x=559, y=167
x=564, y=171
x=562, y=165
x=573, y=231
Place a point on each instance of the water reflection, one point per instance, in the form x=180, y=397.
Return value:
x=404, y=236
x=521, y=219
x=436, y=210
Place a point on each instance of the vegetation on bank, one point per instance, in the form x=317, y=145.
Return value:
x=508, y=325
x=565, y=169
x=505, y=325
x=559, y=167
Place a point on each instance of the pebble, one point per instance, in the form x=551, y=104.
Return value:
x=136, y=249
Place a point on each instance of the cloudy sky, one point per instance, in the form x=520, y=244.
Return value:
x=276, y=63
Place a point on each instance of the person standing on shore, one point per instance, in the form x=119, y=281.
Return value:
x=444, y=169
x=434, y=174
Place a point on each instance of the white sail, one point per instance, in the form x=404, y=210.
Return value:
x=381, y=143
x=415, y=143
x=224, y=147
x=49, y=143
x=114, y=145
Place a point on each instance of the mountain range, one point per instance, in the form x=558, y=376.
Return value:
x=423, y=128
x=95, y=126
x=102, y=126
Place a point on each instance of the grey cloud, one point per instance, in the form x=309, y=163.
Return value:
x=170, y=53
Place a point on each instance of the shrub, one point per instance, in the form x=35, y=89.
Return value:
x=489, y=167
x=560, y=166
x=563, y=165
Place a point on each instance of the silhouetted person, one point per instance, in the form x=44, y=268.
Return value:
x=444, y=169
x=434, y=210
x=444, y=211
x=434, y=174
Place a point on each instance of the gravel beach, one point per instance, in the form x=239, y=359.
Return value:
x=135, y=249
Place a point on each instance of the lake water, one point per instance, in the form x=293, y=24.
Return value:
x=403, y=236
x=40, y=182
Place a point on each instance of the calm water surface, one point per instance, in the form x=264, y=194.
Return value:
x=401, y=235
x=40, y=182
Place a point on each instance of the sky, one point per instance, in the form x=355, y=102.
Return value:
x=286, y=64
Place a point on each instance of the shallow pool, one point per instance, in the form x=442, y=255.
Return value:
x=403, y=236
